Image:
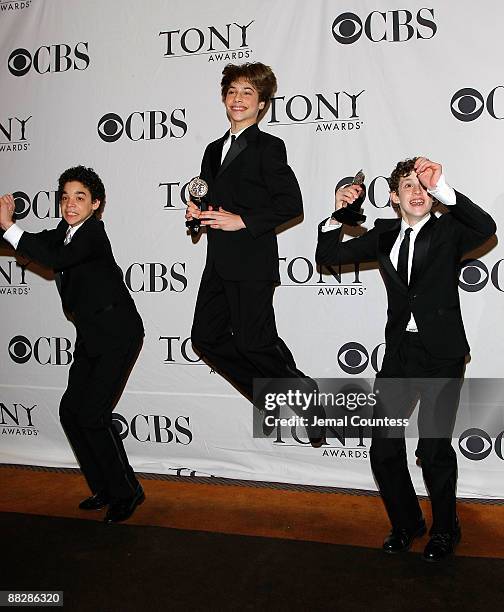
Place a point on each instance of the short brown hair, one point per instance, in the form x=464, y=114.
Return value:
x=259, y=75
x=403, y=168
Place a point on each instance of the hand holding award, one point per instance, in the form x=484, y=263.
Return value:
x=350, y=214
x=198, y=189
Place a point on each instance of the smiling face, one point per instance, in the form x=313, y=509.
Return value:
x=413, y=200
x=76, y=203
x=242, y=104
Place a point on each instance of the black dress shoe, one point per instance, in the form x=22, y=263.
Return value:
x=121, y=510
x=316, y=440
x=269, y=421
x=441, y=545
x=400, y=540
x=95, y=502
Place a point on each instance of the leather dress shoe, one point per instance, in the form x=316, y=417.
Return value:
x=400, y=540
x=268, y=423
x=441, y=545
x=317, y=441
x=122, y=509
x=95, y=502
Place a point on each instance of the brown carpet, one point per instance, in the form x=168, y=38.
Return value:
x=333, y=518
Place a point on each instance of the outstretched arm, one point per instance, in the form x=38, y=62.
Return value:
x=474, y=225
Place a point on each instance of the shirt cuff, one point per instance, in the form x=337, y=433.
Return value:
x=443, y=192
x=13, y=235
x=328, y=226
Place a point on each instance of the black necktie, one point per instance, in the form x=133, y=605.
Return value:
x=402, y=260
x=233, y=140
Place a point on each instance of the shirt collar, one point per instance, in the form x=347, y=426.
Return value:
x=76, y=227
x=416, y=228
x=237, y=133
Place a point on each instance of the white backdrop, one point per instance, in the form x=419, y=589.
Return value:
x=132, y=89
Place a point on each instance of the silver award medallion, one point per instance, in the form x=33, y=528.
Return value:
x=197, y=189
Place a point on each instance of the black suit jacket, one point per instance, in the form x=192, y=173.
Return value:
x=90, y=282
x=257, y=183
x=432, y=295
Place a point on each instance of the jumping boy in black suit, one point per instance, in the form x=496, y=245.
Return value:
x=109, y=335
x=419, y=257
x=252, y=190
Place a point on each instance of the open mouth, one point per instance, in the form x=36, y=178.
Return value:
x=417, y=202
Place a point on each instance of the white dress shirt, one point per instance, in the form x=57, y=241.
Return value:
x=227, y=143
x=14, y=233
x=444, y=194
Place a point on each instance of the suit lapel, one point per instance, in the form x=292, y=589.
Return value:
x=422, y=244
x=216, y=154
x=240, y=144
x=385, y=244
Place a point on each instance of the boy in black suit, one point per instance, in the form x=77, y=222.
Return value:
x=109, y=335
x=419, y=259
x=252, y=190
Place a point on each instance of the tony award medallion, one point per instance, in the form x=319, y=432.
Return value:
x=198, y=189
x=350, y=214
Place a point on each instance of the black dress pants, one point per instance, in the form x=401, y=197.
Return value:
x=94, y=386
x=234, y=329
x=436, y=383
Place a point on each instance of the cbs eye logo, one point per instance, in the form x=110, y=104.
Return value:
x=121, y=424
x=354, y=358
x=347, y=28
x=20, y=349
x=19, y=62
x=468, y=104
x=476, y=445
x=473, y=275
x=110, y=127
x=22, y=204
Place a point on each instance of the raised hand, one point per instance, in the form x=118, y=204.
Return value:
x=347, y=195
x=7, y=208
x=428, y=172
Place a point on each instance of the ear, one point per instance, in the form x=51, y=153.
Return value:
x=261, y=105
x=395, y=198
x=96, y=204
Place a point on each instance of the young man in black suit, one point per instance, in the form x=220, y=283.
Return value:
x=419, y=257
x=252, y=190
x=109, y=335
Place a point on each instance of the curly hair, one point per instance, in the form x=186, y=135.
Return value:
x=259, y=75
x=90, y=180
x=403, y=168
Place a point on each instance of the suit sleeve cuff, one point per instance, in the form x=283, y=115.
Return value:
x=328, y=226
x=13, y=235
x=443, y=192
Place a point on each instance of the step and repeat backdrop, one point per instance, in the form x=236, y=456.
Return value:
x=132, y=90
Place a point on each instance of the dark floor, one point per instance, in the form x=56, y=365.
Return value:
x=122, y=568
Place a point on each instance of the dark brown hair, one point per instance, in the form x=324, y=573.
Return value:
x=259, y=75
x=403, y=168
